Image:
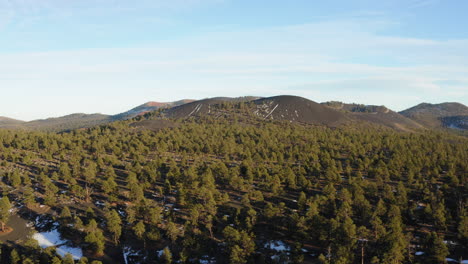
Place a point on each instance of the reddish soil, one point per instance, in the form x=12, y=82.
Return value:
x=6, y=231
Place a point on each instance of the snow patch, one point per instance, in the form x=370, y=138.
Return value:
x=52, y=239
x=277, y=245
x=161, y=252
x=196, y=109
x=207, y=260
x=271, y=111
x=130, y=253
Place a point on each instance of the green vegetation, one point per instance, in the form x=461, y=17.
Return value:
x=228, y=188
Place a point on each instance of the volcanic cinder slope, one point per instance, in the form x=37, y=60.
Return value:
x=450, y=115
x=298, y=109
x=376, y=114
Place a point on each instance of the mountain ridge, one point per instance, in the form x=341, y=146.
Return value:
x=448, y=115
x=451, y=115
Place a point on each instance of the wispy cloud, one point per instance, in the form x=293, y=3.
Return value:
x=351, y=60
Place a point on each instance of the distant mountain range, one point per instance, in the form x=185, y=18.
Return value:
x=452, y=116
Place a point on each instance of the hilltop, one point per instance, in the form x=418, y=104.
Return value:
x=450, y=115
x=380, y=115
x=4, y=121
x=288, y=108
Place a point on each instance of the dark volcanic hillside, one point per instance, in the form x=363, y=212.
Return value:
x=148, y=107
x=376, y=114
x=456, y=122
x=451, y=115
x=285, y=108
x=203, y=107
x=297, y=109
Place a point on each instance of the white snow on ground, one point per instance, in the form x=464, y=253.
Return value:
x=453, y=126
x=196, y=109
x=129, y=252
x=450, y=260
x=464, y=261
x=419, y=253
x=52, y=239
x=160, y=252
x=271, y=111
x=207, y=260
x=450, y=242
x=277, y=245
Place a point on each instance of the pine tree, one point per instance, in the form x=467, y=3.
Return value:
x=14, y=257
x=65, y=213
x=395, y=240
x=437, y=250
x=139, y=229
x=167, y=256
x=114, y=224
x=5, y=213
x=68, y=259
x=172, y=232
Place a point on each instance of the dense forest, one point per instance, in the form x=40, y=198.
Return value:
x=235, y=190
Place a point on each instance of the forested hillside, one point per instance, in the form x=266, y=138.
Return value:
x=229, y=188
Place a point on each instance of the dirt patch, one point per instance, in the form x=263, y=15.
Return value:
x=6, y=231
x=19, y=230
x=39, y=209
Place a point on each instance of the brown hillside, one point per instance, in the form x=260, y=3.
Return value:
x=380, y=115
x=297, y=109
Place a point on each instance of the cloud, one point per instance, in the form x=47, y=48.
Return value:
x=351, y=61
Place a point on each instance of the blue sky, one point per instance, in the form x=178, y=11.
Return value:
x=61, y=56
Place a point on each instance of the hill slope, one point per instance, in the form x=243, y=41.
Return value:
x=297, y=109
x=376, y=114
x=149, y=107
x=203, y=107
x=68, y=122
x=9, y=121
x=285, y=108
x=450, y=115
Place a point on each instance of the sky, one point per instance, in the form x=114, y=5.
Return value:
x=59, y=57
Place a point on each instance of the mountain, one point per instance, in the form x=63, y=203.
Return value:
x=376, y=114
x=149, y=107
x=9, y=121
x=80, y=120
x=204, y=106
x=297, y=109
x=356, y=108
x=282, y=108
x=449, y=115
x=68, y=122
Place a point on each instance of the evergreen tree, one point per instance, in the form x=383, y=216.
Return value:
x=114, y=224
x=5, y=213
x=437, y=250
